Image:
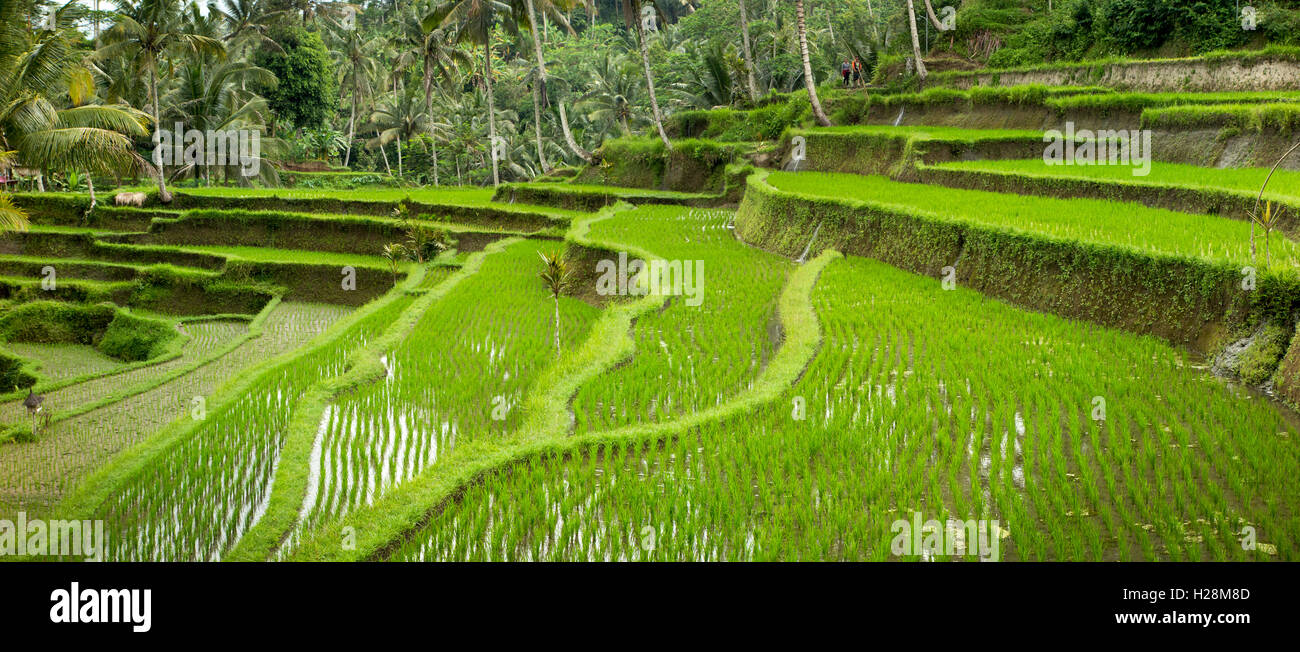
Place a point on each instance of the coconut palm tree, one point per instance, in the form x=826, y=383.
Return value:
x=12, y=218
x=569, y=138
x=709, y=82
x=211, y=95
x=632, y=10
x=397, y=116
x=430, y=46
x=474, y=21
x=809, y=81
x=48, y=117
x=555, y=8
x=359, y=66
x=611, y=99
x=145, y=30
x=246, y=23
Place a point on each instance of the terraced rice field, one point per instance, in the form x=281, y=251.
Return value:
x=460, y=376
x=35, y=475
x=774, y=408
x=1284, y=186
x=689, y=357
x=1127, y=225
x=60, y=362
x=206, y=339
x=195, y=501
x=903, y=413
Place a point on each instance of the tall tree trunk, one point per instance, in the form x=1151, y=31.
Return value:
x=90, y=184
x=875, y=29
x=428, y=114
x=916, y=41
x=557, y=325
x=492, y=112
x=808, y=80
x=352, y=120
x=538, y=84
x=163, y=196
x=399, y=156
x=384, y=153
x=749, y=57
x=650, y=84
x=934, y=20
x=570, y=140
x=830, y=23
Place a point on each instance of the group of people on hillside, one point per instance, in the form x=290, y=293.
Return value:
x=852, y=73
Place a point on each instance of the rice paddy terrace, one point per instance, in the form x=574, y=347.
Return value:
x=909, y=313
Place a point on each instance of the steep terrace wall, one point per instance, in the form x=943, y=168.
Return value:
x=1183, y=300
x=1227, y=73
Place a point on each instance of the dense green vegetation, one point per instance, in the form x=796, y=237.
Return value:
x=901, y=412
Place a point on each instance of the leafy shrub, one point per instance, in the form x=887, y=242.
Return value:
x=133, y=338
x=13, y=373
x=116, y=333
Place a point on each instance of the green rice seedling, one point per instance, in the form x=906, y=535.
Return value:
x=1084, y=443
x=689, y=357
x=65, y=361
x=206, y=337
x=1130, y=226
x=195, y=501
x=35, y=475
x=1285, y=186
x=459, y=376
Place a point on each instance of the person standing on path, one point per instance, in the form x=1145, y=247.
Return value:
x=844, y=72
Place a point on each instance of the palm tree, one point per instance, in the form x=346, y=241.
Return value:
x=47, y=116
x=934, y=20
x=12, y=218
x=398, y=115
x=145, y=30
x=246, y=22
x=394, y=253
x=474, y=21
x=359, y=68
x=709, y=83
x=632, y=17
x=211, y=96
x=430, y=45
x=808, y=80
x=310, y=8
x=555, y=8
x=612, y=97
x=557, y=277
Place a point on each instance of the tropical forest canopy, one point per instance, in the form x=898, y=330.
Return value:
x=398, y=87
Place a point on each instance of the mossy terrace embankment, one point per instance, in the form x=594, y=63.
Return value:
x=1207, y=200
x=1271, y=69
x=119, y=246
x=696, y=173
x=1215, y=130
x=1187, y=301
x=913, y=154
